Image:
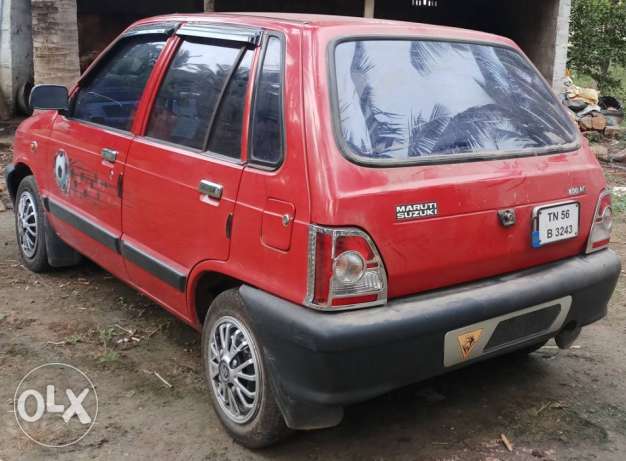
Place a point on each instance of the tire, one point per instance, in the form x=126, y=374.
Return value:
x=261, y=423
x=23, y=98
x=30, y=226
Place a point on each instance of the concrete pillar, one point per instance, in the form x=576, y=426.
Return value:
x=16, y=58
x=55, y=42
x=368, y=8
x=209, y=5
x=561, y=42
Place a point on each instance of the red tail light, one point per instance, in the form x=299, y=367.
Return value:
x=600, y=233
x=345, y=270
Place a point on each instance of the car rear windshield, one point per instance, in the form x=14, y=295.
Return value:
x=410, y=101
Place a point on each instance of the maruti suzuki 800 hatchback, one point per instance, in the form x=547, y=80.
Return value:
x=342, y=206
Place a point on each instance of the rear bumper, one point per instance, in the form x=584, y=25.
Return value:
x=320, y=362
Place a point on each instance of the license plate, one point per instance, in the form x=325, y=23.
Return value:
x=554, y=223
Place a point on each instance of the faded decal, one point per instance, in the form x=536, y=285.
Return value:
x=74, y=179
x=62, y=171
x=416, y=211
x=467, y=342
x=89, y=185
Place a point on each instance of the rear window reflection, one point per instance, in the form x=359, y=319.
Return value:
x=399, y=100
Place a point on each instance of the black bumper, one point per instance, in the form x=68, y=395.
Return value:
x=320, y=362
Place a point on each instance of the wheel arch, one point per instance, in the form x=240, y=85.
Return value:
x=206, y=284
x=14, y=175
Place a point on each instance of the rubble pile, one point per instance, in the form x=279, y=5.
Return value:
x=592, y=112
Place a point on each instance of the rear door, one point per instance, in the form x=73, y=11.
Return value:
x=182, y=175
x=89, y=147
x=454, y=148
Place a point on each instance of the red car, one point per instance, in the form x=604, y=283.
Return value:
x=343, y=206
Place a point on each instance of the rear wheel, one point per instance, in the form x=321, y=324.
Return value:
x=29, y=226
x=237, y=377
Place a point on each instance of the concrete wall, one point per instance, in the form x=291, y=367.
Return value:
x=16, y=52
x=539, y=27
x=562, y=41
x=99, y=22
x=342, y=7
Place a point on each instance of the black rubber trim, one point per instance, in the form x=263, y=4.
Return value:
x=152, y=265
x=229, y=225
x=83, y=224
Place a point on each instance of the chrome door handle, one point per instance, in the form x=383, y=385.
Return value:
x=109, y=155
x=210, y=189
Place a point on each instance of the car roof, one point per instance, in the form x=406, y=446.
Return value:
x=340, y=25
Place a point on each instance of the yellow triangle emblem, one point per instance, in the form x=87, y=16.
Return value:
x=467, y=341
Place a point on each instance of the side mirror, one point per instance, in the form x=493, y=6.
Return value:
x=53, y=97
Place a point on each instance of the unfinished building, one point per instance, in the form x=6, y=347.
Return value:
x=40, y=38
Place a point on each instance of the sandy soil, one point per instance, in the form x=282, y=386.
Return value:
x=560, y=405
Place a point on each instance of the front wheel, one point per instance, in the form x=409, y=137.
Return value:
x=29, y=226
x=237, y=377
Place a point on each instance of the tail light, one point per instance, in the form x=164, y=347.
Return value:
x=600, y=234
x=345, y=270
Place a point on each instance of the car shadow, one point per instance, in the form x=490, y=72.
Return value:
x=466, y=409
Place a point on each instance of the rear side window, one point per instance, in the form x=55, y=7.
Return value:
x=401, y=101
x=198, y=90
x=110, y=95
x=267, y=121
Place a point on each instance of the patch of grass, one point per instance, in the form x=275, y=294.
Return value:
x=109, y=356
x=583, y=80
x=73, y=339
x=106, y=336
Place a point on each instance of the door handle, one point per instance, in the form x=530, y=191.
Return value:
x=210, y=189
x=109, y=155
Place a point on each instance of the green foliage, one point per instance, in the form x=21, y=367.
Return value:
x=109, y=356
x=618, y=204
x=73, y=339
x=598, y=41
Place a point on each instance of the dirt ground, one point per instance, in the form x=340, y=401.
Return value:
x=559, y=405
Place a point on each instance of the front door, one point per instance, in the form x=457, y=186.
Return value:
x=182, y=175
x=89, y=147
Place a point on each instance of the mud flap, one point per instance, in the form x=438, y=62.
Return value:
x=298, y=414
x=60, y=254
x=301, y=415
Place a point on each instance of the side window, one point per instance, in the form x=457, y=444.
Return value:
x=267, y=124
x=226, y=131
x=188, y=102
x=110, y=96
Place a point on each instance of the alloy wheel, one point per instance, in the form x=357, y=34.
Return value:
x=27, y=224
x=234, y=369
